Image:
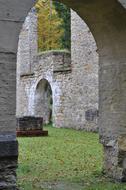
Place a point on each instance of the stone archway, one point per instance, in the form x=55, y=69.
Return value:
x=107, y=21
x=43, y=101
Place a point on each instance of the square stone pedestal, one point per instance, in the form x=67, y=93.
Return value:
x=29, y=126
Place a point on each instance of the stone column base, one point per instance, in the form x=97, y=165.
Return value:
x=115, y=158
x=8, y=164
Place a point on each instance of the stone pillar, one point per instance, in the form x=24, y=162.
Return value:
x=112, y=96
x=113, y=115
x=12, y=14
x=8, y=142
x=9, y=30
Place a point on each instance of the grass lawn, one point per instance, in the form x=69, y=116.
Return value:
x=65, y=160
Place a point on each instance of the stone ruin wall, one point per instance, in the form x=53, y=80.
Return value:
x=27, y=50
x=73, y=78
x=81, y=87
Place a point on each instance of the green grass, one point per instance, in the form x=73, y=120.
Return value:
x=66, y=156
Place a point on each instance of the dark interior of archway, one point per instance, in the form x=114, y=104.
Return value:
x=44, y=101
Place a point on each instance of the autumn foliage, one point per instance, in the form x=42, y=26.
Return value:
x=51, y=29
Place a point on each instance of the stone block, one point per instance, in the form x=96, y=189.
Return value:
x=30, y=126
x=29, y=123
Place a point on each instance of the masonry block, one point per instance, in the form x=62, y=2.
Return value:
x=30, y=126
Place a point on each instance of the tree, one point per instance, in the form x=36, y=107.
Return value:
x=64, y=13
x=49, y=30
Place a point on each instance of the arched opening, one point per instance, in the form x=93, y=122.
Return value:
x=69, y=91
x=44, y=101
x=107, y=21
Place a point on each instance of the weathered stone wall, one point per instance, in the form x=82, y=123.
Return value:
x=43, y=67
x=80, y=97
x=73, y=78
x=107, y=21
x=27, y=50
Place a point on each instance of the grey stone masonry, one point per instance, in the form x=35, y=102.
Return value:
x=8, y=161
x=30, y=126
x=29, y=123
x=107, y=22
x=73, y=77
